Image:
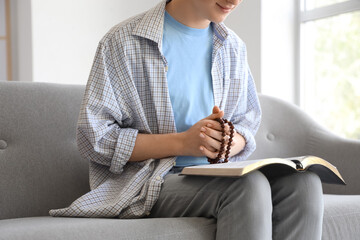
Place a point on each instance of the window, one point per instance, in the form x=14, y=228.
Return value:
x=314, y=4
x=330, y=64
x=5, y=54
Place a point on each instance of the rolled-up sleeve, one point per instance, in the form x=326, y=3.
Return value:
x=103, y=132
x=247, y=115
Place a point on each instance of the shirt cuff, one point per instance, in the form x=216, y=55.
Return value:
x=250, y=144
x=124, y=148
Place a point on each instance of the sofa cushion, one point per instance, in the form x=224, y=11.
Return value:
x=341, y=217
x=44, y=228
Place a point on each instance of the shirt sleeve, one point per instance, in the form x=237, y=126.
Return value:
x=104, y=134
x=247, y=115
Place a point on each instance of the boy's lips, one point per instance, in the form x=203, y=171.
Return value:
x=224, y=9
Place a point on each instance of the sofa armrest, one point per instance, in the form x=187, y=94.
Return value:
x=341, y=152
x=287, y=131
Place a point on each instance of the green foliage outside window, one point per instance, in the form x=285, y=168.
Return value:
x=333, y=85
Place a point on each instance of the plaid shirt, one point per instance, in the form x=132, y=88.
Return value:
x=127, y=94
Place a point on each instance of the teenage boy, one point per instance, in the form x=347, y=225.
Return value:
x=145, y=115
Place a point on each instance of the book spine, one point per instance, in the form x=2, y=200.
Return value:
x=299, y=165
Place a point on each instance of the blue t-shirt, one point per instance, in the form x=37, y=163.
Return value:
x=188, y=52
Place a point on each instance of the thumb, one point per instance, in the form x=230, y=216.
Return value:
x=216, y=109
x=217, y=113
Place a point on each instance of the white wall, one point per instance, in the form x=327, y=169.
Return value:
x=269, y=31
x=278, y=49
x=21, y=40
x=66, y=34
x=246, y=22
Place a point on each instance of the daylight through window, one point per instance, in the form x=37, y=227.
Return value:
x=330, y=64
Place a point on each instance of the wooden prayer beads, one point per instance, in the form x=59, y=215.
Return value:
x=218, y=159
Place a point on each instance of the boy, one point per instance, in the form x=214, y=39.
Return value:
x=145, y=115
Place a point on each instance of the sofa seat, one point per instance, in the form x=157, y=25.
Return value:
x=45, y=228
x=341, y=221
x=341, y=217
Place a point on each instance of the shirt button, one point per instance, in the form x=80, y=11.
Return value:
x=158, y=178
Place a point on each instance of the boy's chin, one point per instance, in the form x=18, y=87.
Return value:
x=218, y=19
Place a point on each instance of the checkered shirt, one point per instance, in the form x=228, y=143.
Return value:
x=127, y=94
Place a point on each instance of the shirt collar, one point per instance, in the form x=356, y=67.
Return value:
x=152, y=24
x=221, y=31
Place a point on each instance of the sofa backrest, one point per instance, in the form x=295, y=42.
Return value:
x=40, y=167
x=283, y=131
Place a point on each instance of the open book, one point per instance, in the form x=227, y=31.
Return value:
x=271, y=167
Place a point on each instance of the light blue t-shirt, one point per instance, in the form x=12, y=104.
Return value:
x=188, y=52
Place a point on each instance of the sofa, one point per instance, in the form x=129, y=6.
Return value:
x=41, y=169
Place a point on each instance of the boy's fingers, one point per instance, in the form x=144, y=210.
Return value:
x=214, y=125
x=214, y=116
x=214, y=133
x=208, y=153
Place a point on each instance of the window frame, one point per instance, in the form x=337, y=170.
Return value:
x=7, y=39
x=329, y=10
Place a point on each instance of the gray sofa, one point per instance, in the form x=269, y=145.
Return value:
x=40, y=169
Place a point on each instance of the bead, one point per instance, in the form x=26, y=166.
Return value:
x=222, y=122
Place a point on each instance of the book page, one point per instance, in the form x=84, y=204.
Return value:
x=240, y=164
x=271, y=167
x=234, y=168
x=327, y=172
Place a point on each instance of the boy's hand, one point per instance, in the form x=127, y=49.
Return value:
x=204, y=138
x=194, y=139
x=212, y=134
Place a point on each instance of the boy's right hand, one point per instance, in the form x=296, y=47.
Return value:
x=196, y=143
